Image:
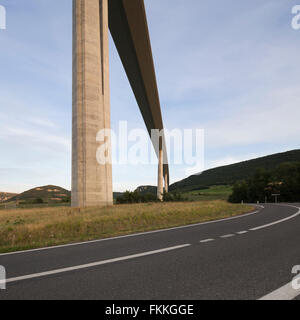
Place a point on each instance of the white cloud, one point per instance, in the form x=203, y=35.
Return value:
x=33, y=138
x=42, y=122
x=271, y=117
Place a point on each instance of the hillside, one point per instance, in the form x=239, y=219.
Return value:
x=228, y=175
x=4, y=196
x=45, y=193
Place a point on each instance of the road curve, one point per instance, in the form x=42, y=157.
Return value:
x=249, y=257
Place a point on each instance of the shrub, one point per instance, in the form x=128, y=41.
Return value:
x=137, y=197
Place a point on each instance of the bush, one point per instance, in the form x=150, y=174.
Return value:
x=173, y=196
x=38, y=200
x=137, y=197
x=66, y=200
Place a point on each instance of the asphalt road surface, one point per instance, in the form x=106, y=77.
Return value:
x=248, y=257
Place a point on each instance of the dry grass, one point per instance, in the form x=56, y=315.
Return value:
x=33, y=228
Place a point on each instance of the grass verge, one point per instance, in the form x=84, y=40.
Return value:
x=23, y=229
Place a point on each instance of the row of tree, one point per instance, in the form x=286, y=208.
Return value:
x=138, y=197
x=263, y=185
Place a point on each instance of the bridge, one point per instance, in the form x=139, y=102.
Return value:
x=127, y=22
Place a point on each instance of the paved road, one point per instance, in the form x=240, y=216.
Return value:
x=244, y=258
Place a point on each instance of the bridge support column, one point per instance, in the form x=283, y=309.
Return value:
x=166, y=182
x=91, y=181
x=160, y=184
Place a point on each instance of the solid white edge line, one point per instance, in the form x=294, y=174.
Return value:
x=93, y=264
x=131, y=235
x=286, y=292
x=278, y=221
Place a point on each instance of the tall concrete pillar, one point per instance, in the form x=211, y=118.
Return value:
x=160, y=184
x=166, y=182
x=91, y=181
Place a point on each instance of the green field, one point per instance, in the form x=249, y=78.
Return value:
x=212, y=193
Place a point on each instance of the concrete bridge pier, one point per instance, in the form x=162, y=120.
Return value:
x=160, y=183
x=166, y=182
x=91, y=181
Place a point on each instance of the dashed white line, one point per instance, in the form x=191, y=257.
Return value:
x=93, y=264
x=227, y=236
x=257, y=228
x=206, y=240
x=242, y=232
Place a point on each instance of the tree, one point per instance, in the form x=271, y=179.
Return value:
x=283, y=180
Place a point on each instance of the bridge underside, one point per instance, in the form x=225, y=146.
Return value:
x=91, y=181
x=129, y=29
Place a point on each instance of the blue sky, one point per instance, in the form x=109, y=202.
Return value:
x=230, y=67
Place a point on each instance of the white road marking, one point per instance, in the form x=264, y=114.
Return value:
x=278, y=221
x=93, y=264
x=286, y=292
x=131, y=235
x=227, y=236
x=242, y=232
x=206, y=240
